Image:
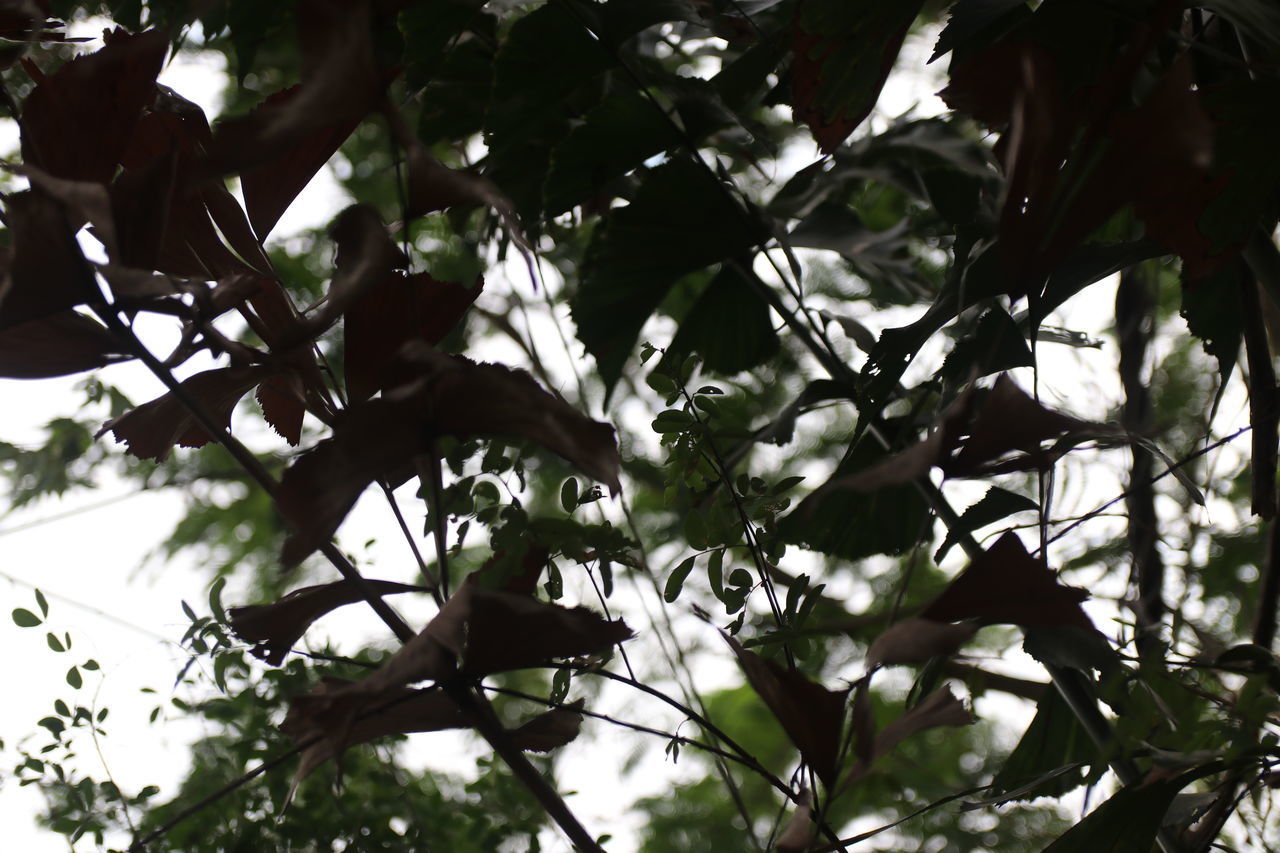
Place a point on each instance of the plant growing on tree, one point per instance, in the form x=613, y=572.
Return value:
x=626, y=160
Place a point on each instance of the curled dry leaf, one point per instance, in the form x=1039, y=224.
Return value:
x=57, y=345
x=939, y=708
x=449, y=395
x=274, y=628
x=917, y=641
x=399, y=712
x=479, y=631
x=153, y=429
x=1007, y=585
x=810, y=714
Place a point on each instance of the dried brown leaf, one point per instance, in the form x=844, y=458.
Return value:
x=155, y=428
x=274, y=628
x=367, y=257
x=57, y=345
x=380, y=321
x=939, y=708
x=917, y=641
x=810, y=714
x=77, y=121
x=798, y=835
x=47, y=273
x=283, y=401
x=449, y=396
x=1007, y=585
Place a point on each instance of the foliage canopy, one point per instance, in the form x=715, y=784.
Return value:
x=809, y=327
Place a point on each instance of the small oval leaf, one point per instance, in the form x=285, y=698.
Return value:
x=675, y=581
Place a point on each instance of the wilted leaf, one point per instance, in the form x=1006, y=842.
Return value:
x=77, y=121
x=398, y=712
x=275, y=627
x=939, y=708
x=153, y=429
x=916, y=641
x=57, y=345
x=449, y=395
x=841, y=54
x=811, y=715
x=1007, y=585
x=385, y=317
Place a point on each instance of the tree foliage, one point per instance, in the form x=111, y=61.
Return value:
x=758, y=279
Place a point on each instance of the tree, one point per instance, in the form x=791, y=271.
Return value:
x=634, y=162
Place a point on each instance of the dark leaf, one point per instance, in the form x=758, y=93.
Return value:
x=77, y=121
x=549, y=730
x=1007, y=585
x=449, y=395
x=996, y=505
x=283, y=403
x=811, y=715
x=730, y=325
x=1055, y=739
x=275, y=628
x=841, y=54
x=155, y=428
x=1128, y=821
x=57, y=345
x=384, y=318
x=683, y=210
x=939, y=708
x=47, y=273
x=917, y=641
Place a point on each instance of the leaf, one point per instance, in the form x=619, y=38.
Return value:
x=385, y=317
x=729, y=325
x=675, y=580
x=969, y=20
x=939, y=708
x=1053, y=740
x=855, y=524
x=24, y=618
x=995, y=345
x=569, y=495
x=77, y=121
x=1214, y=314
x=271, y=186
x=275, y=628
x=841, y=55
x=74, y=678
x=1128, y=821
x=151, y=430
x=46, y=273
x=1007, y=585
x=283, y=403
x=683, y=210
x=996, y=505
x=57, y=345
x=449, y=395
x=340, y=83
x=798, y=835
x=811, y=715
x=917, y=641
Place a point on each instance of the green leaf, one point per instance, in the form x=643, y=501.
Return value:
x=675, y=581
x=1211, y=307
x=560, y=686
x=681, y=220
x=851, y=524
x=1127, y=822
x=215, y=600
x=730, y=325
x=1054, y=739
x=696, y=531
x=715, y=573
x=569, y=495
x=42, y=603
x=995, y=505
x=91, y=665
x=74, y=678
x=25, y=618
x=54, y=642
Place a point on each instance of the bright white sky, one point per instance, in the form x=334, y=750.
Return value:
x=123, y=610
